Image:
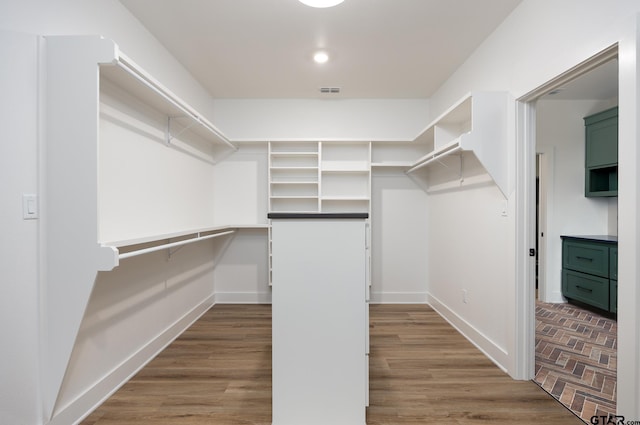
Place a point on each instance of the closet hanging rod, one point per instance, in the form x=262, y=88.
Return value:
x=123, y=64
x=172, y=245
x=434, y=158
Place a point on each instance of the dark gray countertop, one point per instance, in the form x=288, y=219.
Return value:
x=318, y=215
x=596, y=238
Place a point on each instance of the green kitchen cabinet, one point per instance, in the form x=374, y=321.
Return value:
x=601, y=153
x=613, y=283
x=590, y=270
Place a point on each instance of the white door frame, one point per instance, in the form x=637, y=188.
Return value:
x=546, y=219
x=525, y=233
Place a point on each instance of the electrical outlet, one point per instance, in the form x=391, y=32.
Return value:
x=464, y=296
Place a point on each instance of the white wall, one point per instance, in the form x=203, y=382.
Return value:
x=144, y=187
x=560, y=139
x=468, y=250
x=242, y=274
x=19, y=317
x=321, y=119
x=241, y=192
x=240, y=186
x=398, y=239
x=540, y=40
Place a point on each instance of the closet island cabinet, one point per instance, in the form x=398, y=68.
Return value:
x=320, y=322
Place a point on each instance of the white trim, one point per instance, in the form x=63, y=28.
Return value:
x=628, y=384
x=87, y=402
x=523, y=331
x=524, y=315
x=243, y=297
x=494, y=352
x=398, y=298
x=545, y=160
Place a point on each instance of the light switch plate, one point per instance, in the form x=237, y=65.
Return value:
x=30, y=208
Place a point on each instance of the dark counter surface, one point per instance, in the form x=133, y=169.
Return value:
x=317, y=215
x=596, y=238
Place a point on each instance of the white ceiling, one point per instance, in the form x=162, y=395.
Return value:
x=264, y=48
x=601, y=83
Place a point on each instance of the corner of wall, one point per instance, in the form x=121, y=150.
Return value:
x=493, y=351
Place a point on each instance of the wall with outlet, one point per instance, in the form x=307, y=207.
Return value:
x=19, y=291
x=468, y=242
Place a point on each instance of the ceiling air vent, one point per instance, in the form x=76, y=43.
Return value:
x=331, y=90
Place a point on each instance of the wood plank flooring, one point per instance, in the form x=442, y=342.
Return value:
x=421, y=372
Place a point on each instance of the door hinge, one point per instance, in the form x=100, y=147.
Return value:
x=532, y=252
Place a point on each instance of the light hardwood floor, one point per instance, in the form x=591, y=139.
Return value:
x=421, y=372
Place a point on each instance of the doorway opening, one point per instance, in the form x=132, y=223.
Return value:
x=554, y=114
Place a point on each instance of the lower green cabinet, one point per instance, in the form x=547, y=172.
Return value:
x=589, y=289
x=590, y=270
x=613, y=296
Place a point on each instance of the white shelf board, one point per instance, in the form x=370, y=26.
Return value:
x=171, y=235
x=293, y=168
x=392, y=164
x=344, y=198
x=293, y=154
x=345, y=170
x=126, y=75
x=454, y=114
x=299, y=182
x=295, y=197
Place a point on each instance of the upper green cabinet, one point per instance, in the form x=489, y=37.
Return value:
x=601, y=153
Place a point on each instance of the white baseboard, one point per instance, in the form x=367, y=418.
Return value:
x=376, y=298
x=490, y=349
x=243, y=297
x=398, y=298
x=555, y=297
x=86, y=403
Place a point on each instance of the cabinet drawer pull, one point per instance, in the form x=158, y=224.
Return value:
x=584, y=258
x=584, y=289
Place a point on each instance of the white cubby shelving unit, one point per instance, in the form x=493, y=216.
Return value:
x=477, y=124
x=312, y=177
x=81, y=72
x=345, y=176
x=294, y=177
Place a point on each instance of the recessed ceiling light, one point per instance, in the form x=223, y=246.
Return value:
x=321, y=57
x=321, y=3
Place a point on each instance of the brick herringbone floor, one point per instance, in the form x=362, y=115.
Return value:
x=576, y=358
